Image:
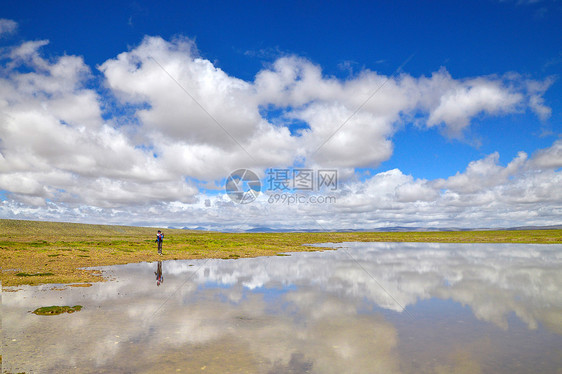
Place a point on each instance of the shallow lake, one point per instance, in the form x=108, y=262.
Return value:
x=363, y=308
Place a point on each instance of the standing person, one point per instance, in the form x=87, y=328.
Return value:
x=159, y=240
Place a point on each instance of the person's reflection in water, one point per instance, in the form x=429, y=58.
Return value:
x=158, y=273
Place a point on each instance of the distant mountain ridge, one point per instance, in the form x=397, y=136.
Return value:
x=551, y=227
x=265, y=229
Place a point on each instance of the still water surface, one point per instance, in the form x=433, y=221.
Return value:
x=364, y=308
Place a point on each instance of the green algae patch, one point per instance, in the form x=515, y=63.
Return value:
x=55, y=310
x=34, y=275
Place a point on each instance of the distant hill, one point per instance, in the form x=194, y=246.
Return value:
x=552, y=227
x=263, y=229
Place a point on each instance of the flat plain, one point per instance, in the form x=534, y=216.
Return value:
x=36, y=252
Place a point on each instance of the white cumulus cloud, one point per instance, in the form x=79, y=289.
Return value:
x=166, y=126
x=7, y=26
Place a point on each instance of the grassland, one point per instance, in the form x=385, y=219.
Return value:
x=35, y=253
x=56, y=310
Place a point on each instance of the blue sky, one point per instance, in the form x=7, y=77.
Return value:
x=479, y=85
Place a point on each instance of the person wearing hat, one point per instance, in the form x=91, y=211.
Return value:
x=159, y=240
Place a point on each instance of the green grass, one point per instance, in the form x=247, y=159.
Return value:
x=34, y=275
x=51, y=252
x=55, y=310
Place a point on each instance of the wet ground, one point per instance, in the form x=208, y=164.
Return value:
x=365, y=308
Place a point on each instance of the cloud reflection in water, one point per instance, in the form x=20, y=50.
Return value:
x=314, y=312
